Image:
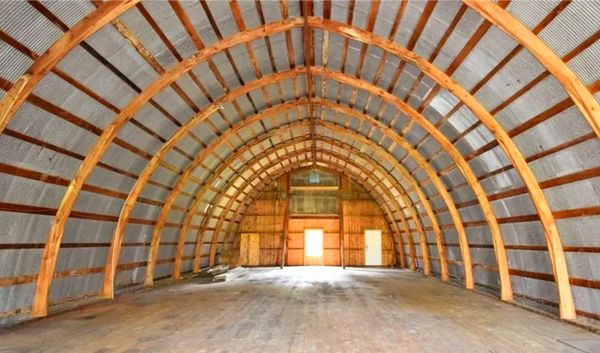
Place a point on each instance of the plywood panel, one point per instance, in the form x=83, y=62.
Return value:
x=265, y=216
x=296, y=240
x=295, y=257
x=270, y=240
x=331, y=241
x=250, y=249
x=328, y=225
x=360, y=215
x=354, y=257
x=331, y=257
x=269, y=257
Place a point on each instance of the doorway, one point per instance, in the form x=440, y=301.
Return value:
x=373, y=247
x=313, y=247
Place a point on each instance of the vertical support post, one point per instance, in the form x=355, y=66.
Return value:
x=394, y=249
x=286, y=221
x=341, y=218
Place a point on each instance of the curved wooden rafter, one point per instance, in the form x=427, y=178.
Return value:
x=566, y=304
x=422, y=162
x=581, y=96
x=26, y=84
x=155, y=243
x=197, y=119
x=538, y=199
x=314, y=164
x=381, y=183
x=221, y=168
x=341, y=169
x=392, y=200
x=214, y=174
x=291, y=105
x=286, y=157
x=48, y=263
x=327, y=164
x=440, y=186
x=436, y=180
x=403, y=195
x=194, y=206
x=39, y=307
x=69, y=198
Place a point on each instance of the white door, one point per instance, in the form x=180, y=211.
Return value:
x=373, y=247
x=313, y=247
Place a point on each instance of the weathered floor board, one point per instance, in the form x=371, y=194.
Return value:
x=310, y=309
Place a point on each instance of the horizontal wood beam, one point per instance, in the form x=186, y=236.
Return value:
x=314, y=188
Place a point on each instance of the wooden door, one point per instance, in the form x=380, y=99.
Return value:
x=250, y=249
x=373, y=252
x=313, y=247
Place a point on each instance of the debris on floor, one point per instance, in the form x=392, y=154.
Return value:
x=219, y=273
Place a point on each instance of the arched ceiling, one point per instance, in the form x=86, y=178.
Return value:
x=471, y=122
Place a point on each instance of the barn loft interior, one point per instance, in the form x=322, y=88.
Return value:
x=300, y=176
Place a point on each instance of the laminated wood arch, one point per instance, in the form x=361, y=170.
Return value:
x=174, y=193
x=303, y=151
x=318, y=163
x=205, y=114
x=25, y=85
x=380, y=181
x=156, y=235
x=557, y=257
x=581, y=96
x=405, y=199
x=263, y=114
x=113, y=254
x=327, y=166
x=312, y=151
x=19, y=92
x=392, y=220
x=286, y=157
x=216, y=173
x=414, y=186
x=92, y=158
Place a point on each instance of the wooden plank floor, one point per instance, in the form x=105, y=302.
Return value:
x=312, y=309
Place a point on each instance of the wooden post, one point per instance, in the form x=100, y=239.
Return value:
x=341, y=218
x=286, y=222
x=394, y=249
